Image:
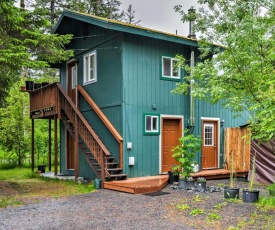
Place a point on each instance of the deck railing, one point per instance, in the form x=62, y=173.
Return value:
x=52, y=99
x=44, y=101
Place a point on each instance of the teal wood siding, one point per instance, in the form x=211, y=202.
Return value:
x=143, y=88
x=106, y=92
x=62, y=162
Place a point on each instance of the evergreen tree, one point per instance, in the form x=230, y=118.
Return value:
x=103, y=8
x=15, y=125
x=130, y=16
x=24, y=44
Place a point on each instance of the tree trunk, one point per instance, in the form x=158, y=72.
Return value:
x=52, y=11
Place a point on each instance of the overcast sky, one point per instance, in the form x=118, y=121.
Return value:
x=159, y=14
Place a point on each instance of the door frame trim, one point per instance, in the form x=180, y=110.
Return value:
x=74, y=60
x=165, y=116
x=205, y=119
x=69, y=62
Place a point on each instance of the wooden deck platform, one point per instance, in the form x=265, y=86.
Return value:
x=142, y=185
x=218, y=174
x=139, y=185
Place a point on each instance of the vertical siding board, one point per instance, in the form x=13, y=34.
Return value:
x=236, y=144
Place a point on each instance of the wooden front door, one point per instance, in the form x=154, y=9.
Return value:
x=71, y=90
x=210, y=145
x=171, y=132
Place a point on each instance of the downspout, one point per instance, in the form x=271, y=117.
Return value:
x=192, y=34
x=192, y=100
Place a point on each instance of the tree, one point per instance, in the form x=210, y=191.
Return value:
x=239, y=69
x=15, y=125
x=130, y=16
x=103, y=8
x=24, y=44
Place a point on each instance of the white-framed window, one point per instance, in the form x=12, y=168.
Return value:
x=208, y=134
x=151, y=124
x=90, y=70
x=170, y=68
x=74, y=77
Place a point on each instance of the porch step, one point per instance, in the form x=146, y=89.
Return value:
x=112, y=169
x=140, y=185
x=118, y=176
x=108, y=164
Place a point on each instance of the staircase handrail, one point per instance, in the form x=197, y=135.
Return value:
x=104, y=119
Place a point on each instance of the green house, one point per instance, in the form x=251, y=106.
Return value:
x=120, y=82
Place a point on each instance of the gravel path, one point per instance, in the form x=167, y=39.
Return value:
x=106, y=209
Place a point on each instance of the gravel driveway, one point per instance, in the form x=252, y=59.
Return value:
x=106, y=209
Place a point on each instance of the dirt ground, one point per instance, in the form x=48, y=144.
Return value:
x=172, y=208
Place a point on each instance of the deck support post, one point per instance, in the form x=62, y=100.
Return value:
x=55, y=146
x=32, y=145
x=76, y=148
x=50, y=145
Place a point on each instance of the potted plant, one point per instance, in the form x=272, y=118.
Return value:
x=173, y=175
x=232, y=191
x=201, y=184
x=184, y=154
x=250, y=195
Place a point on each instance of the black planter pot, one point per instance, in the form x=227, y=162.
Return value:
x=172, y=178
x=189, y=184
x=29, y=85
x=37, y=85
x=44, y=83
x=231, y=193
x=41, y=168
x=250, y=196
x=182, y=184
x=201, y=186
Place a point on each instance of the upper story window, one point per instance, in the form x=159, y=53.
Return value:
x=170, y=69
x=90, y=71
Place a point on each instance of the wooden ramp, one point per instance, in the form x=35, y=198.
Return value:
x=218, y=174
x=139, y=185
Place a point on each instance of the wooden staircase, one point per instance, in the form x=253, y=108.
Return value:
x=97, y=155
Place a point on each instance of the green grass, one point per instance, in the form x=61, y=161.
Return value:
x=21, y=186
x=15, y=174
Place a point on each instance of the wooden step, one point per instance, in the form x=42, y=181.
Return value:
x=118, y=175
x=112, y=169
x=108, y=164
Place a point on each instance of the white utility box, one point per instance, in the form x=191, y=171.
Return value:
x=131, y=161
x=129, y=145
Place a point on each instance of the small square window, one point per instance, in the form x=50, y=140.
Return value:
x=151, y=124
x=90, y=71
x=170, y=68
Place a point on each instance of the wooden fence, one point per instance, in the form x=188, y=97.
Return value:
x=236, y=143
